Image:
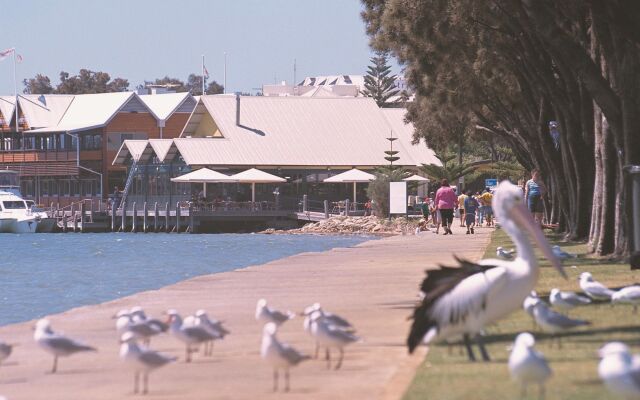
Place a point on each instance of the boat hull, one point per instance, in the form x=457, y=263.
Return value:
x=15, y=225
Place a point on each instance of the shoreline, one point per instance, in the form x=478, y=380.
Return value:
x=373, y=284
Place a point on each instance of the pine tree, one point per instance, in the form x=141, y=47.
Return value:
x=379, y=83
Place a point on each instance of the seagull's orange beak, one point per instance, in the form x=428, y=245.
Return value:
x=523, y=218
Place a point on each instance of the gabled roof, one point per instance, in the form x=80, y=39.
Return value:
x=164, y=105
x=8, y=108
x=44, y=110
x=137, y=149
x=164, y=149
x=420, y=152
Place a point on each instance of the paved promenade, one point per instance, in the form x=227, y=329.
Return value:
x=374, y=285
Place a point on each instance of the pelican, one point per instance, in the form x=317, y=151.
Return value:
x=629, y=295
x=141, y=359
x=58, y=345
x=526, y=365
x=279, y=354
x=504, y=253
x=594, y=289
x=620, y=370
x=567, y=300
x=266, y=314
x=464, y=299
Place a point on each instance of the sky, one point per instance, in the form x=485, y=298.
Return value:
x=146, y=39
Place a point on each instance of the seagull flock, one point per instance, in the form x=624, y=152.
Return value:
x=135, y=331
x=462, y=301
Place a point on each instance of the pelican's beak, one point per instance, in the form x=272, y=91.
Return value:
x=523, y=218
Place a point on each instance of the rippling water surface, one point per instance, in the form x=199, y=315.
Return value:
x=43, y=274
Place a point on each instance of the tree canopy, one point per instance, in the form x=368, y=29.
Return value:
x=378, y=82
x=86, y=81
x=511, y=67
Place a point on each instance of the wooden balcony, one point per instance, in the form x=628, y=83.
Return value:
x=19, y=156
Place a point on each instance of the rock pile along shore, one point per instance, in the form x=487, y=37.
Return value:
x=370, y=225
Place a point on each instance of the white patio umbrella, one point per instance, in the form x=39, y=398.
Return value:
x=254, y=176
x=417, y=178
x=352, y=176
x=204, y=176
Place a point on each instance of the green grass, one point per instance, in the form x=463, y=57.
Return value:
x=446, y=373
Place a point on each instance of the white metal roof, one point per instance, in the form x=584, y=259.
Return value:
x=296, y=131
x=204, y=175
x=418, y=152
x=353, y=175
x=44, y=110
x=162, y=148
x=8, y=107
x=164, y=105
x=254, y=175
x=138, y=149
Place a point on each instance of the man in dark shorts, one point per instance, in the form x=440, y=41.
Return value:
x=470, y=206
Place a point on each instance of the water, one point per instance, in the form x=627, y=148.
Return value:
x=44, y=274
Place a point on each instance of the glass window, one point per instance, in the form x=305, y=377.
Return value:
x=14, y=205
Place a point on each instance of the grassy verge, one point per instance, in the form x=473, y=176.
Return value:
x=446, y=373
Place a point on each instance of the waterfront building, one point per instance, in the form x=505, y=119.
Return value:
x=62, y=145
x=301, y=139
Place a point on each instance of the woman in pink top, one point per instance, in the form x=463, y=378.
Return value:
x=446, y=201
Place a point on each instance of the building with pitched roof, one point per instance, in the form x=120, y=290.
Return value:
x=63, y=145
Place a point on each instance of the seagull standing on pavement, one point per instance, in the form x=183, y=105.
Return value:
x=213, y=326
x=279, y=354
x=628, y=295
x=594, y=289
x=141, y=359
x=56, y=344
x=553, y=322
x=330, y=337
x=266, y=314
x=191, y=336
x=620, y=370
x=331, y=318
x=504, y=253
x=567, y=300
x=141, y=328
x=526, y=365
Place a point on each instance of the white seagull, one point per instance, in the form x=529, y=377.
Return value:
x=628, y=295
x=561, y=254
x=143, y=329
x=330, y=337
x=191, y=336
x=567, y=300
x=526, y=365
x=594, y=289
x=266, y=314
x=529, y=302
x=553, y=322
x=620, y=370
x=280, y=355
x=464, y=299
x=138, y=315
x=331, y=318
x=56, y=344
x=213, y=326
x=141, y=359
x=504, y=253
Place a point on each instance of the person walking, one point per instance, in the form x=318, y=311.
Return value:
x=485, y=200
x=534, y=192
x=470, y=207
x=446, y=201
x=461, y=209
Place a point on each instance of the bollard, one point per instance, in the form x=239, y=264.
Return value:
x=178, y=217
x=144, y=217
x=113, y=220
x=190, y=219
x=73, y=216
x=123, y=220
x=166, y=217
x=64, y=222
x=155, y=217
x=346, y=207
x=91, y=211
x=134, y=218
x=82, y=217
x=326, y=209
x=632, y=185
x=304, y=203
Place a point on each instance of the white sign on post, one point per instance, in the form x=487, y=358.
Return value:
x=397, y=197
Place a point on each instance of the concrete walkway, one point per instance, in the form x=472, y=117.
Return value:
x=374, y=285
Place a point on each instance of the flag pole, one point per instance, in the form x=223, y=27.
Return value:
x=203, y=78
x=15, y=91
x=224, y=89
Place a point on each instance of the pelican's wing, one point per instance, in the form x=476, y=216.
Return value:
x=439, y=287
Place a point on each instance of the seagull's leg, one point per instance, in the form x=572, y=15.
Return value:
x=286, y=380
x=55, y=365
x=317, y=349
x=145, y=381
x=275, y=379
x=483, y=350
x=328, y=358
x=136, y=375
x=467, y=344
x=188, y=353
x=341, y=358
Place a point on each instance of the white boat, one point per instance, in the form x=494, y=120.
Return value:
x=16, y=215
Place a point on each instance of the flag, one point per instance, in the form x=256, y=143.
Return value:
x=18, y=58
x=5, y=53
x=205, y=72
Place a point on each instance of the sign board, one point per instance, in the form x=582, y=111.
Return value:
x=397, y=197
x=490, y=183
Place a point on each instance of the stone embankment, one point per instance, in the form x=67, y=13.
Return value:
x=370, y=225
